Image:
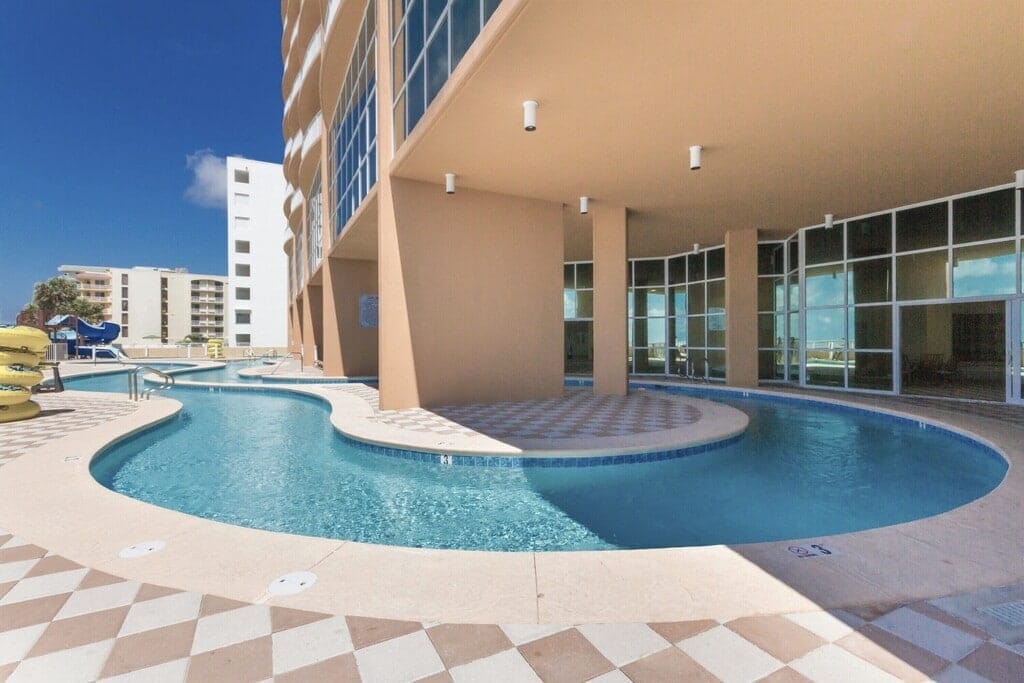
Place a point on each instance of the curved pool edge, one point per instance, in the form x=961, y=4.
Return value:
x=973, y=546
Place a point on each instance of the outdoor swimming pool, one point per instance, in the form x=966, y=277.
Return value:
x=273, y=461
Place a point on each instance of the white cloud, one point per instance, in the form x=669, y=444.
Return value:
x=209, y=181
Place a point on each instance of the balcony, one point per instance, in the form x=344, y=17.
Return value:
x=304, y=97
x=309, y=160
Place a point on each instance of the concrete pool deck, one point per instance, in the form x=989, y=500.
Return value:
x=973, y=548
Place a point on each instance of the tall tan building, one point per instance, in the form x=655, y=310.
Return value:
x=154, y=305
x=483, y=195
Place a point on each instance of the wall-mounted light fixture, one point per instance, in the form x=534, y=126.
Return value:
x=696, y=247
x=829, y=220
x=584, y=204
x=530, y=115
x=449, y=183
x=695, y=151
x=1018, y=179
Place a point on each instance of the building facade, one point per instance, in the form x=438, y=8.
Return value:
x=257, y=266
x=154, y=305
x=483, y=195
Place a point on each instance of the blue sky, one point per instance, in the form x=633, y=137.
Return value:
x=102, y=105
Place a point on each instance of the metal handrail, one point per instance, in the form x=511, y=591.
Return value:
x=133, y=382
x=302, y=361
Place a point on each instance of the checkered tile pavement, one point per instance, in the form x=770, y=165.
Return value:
x=580, y=414
x=60, y=415
x=60, y=621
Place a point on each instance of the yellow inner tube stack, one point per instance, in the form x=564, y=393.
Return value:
x=21, y=350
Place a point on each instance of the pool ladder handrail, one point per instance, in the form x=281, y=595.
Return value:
x=290, y=354
x=133, y=382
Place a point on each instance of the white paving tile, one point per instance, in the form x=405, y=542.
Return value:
x=12, y=571
x=526, y=633
x=729, y=656
x=932, y=635
x=823, y=624
x=44, y=586
x=833, y=663
x=310, y=643
x=623, y=643
x=66, y=666
x=614, y=676
x=407, y=658
x=508, y=667
x=170, y=672
x=160, y=612
x=98, y=599
x=233, y=626
x=15, y=644
x=14, y=542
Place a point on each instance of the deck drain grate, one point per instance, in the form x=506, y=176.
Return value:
x=141, y=549
x=292, y=583
x=1010, y=613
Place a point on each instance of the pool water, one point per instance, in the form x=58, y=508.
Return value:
x=273, y=461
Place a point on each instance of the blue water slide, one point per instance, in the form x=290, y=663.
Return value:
x=104, y=333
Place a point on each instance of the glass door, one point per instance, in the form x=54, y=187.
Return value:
x=1015, y=351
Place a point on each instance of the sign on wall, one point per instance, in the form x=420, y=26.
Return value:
x=368, y=310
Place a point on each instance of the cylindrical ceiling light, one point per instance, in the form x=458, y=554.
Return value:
x=1018, y=179
x=449, y=183
x=829, y=220
x=530, y=115
x=695, y=151
x=584, y=204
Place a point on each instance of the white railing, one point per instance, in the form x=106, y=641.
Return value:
x=312, y=135
x=56, y=351
x=312, y=52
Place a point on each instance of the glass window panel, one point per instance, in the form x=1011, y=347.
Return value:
x=923, y=227
x=399, y=61
x=823, y=245
x=695, y=267
x=870, y=370
x=677, y=332
x=826, y=286
x=677, y=361
x=569, y=276
x=869, y=327
x=870, y=281
x=794, y=292
x=767, y=334
x=656, y=334
x=716, y=296
x=677, y=300
x=579, y=347
x=695, y=299
x=825, y=346
x=434, y=10
x=794, y=254
x=648, y=273
x=985, y=269
x=568, y=304
x=584, y=275
x=649, y=302
x=649, y=361
x=696, y=363
x=414, y=37
x=584, y=304
x=695, y=330
x=489, y=7
x=716, y=330
x=437, y=62
x=869, y=236
x=716, y=364
x=629, y=303
x=465, y=26
x=770, y=259
x=414, y=98
x=922, y=276
x=770, y=294
x=677, y=270
x=986, y=216
x=770, y=365
x=716, y=263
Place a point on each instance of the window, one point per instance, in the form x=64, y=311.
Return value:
x=124, y=318
x=241, y=293
x=124, y=292
x=241, y=246
x=241, y=176
x=243, y=317
x=241, y=222
x=241, y=200
x=242, y=340
x=124, y=278
x=124, y=331
x=243, y=270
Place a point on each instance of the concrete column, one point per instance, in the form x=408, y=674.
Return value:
x=741, y=308
x=349, y=349
x=295, y=340
x=611, y=371
x=312, y=322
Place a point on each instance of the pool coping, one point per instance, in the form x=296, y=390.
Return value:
x=973, y=546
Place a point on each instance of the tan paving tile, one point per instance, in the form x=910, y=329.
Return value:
x=20, y=553
x=4, y=587
x=52, y=565
x=367, y=631
x=904, y=660
x=29, y=612
x=149, y=591
x=565, y=657
x=674, y=631
x=777, y=636
x=96, y=578
x=283, y=618
x=785, y=675
x=5, y=537
x=461, y=643
x=995, y=663
x=7, y=669
x=213, y=604
x=930, y=610
x=671, y=664
x=149, y=648
x=247, y=661
x=77, y=631
x=342, y=669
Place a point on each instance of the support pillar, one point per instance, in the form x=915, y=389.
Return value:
x=350, y=350
x=312, y=323
x=611, y=267
x=741, y=308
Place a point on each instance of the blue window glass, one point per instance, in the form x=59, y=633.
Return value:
x=437, y=62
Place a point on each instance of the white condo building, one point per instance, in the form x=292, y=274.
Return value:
x=257, y=264
x=154, y=305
